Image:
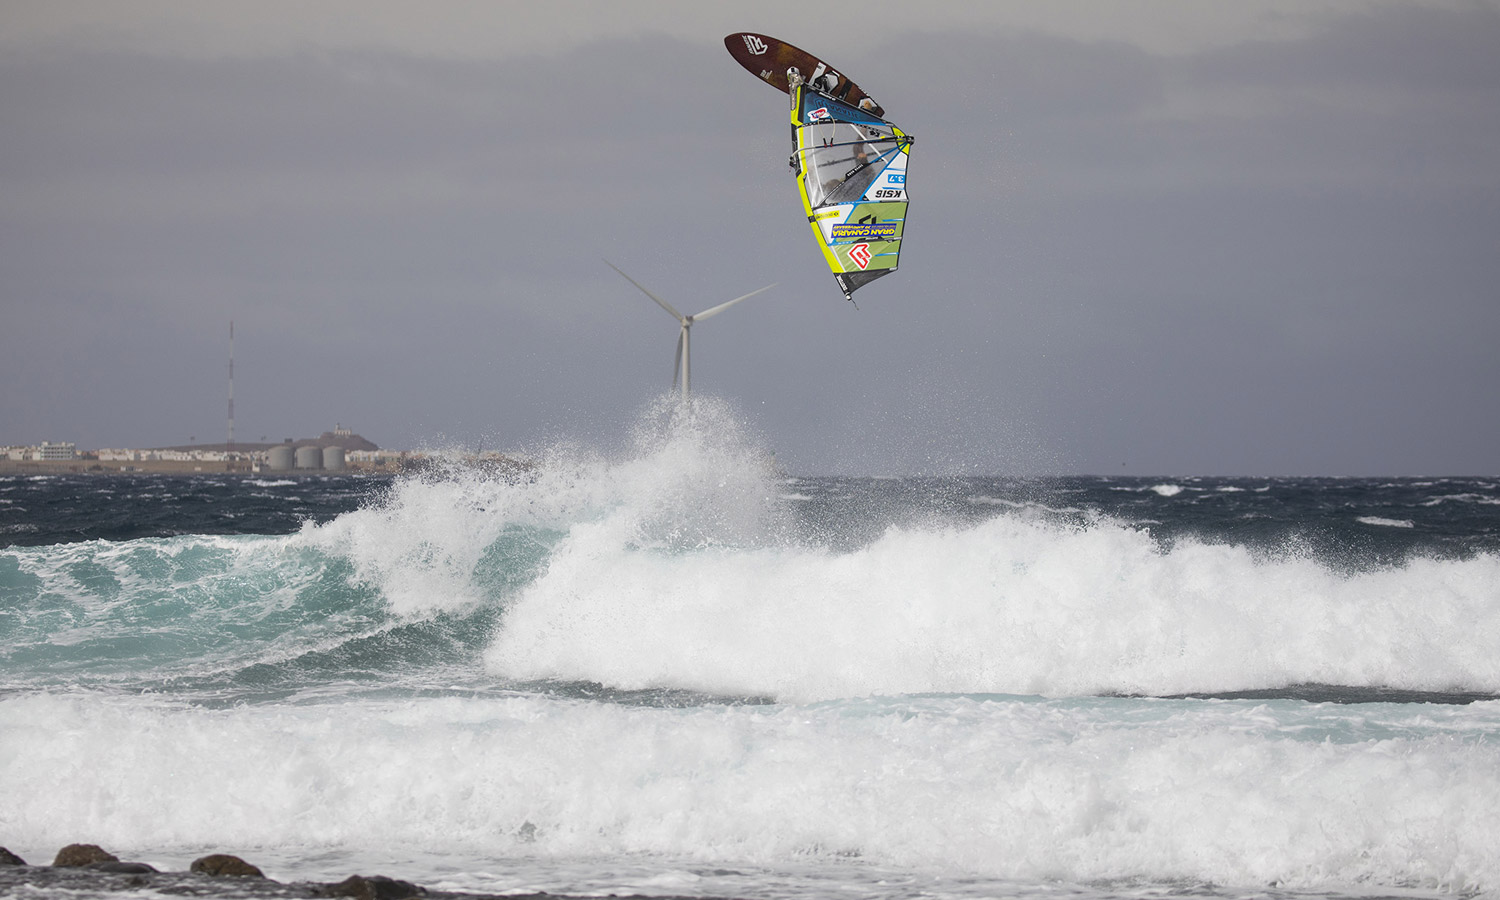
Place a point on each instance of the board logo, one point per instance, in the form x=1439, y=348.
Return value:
x=754, y=44
x=860, y=253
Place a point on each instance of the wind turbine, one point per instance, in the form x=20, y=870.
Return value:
x=682, y=366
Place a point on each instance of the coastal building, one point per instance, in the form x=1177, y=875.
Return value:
x=59, y=451
x=113, y=454
x=49, y=451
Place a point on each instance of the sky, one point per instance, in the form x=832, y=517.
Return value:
x=1148, y=238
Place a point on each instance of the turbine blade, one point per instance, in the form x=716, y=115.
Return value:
x=723, y=306
x=662, y=303
x=677, y=360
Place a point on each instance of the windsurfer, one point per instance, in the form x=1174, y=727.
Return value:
x=855, y=181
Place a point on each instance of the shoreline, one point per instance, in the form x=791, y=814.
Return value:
x=227, y=877
x=104, y=881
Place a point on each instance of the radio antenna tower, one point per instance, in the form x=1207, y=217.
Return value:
x=230, y=446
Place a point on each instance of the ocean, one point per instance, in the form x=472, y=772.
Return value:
x=671, y=668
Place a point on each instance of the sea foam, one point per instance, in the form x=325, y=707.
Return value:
x=1008, y=606
x=1226, y=792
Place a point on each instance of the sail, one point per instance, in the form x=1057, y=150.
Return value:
x=851, y=171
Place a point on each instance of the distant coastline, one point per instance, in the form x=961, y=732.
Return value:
x=247, y=466
x=336, y=452
x=394, y=463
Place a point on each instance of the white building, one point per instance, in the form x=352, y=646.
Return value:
x=61, y=450
x=119, y=455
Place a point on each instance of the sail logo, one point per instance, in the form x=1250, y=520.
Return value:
x=886, y=232
x=754, y=44
x=860, y=253
x=819, y=113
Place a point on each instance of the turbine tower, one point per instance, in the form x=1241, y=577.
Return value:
x=682, y=366
x=230, y=446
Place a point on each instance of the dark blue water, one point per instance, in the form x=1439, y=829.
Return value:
x=55, y=509
x=1352, y=523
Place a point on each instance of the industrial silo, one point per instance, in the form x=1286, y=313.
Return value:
x=333, y=459
x=281, y=458
x=309, y=458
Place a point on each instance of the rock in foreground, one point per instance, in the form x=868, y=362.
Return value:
x=377, y=887
x=83, y=855
x=220, y=864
